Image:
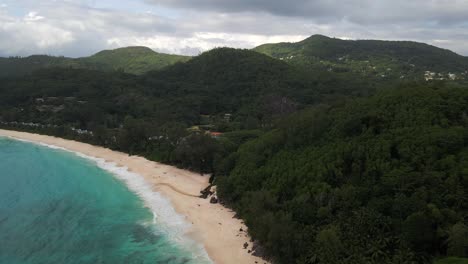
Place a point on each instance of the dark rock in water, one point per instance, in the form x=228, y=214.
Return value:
x=213, y=200
x=246, y=245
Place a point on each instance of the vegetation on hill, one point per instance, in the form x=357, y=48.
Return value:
x=383, y=59
x=134, y=60
x=251, y=88
x=18, y=66
x=323, y=166
x=378, y=180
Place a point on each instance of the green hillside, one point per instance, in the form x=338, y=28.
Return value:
x=377, y=180
x=383, y=59
x=325, y=167
x=134, y=60
x=232, y=77
x=17, y=66
x=252, y=88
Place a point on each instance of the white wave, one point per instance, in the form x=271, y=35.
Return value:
x=38, y=143
x=172, y=224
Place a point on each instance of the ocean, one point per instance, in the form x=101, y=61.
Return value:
x=60, y=207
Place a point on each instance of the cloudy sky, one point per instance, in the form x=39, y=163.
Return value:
x=82, y=27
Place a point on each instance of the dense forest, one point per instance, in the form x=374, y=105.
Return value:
x=323, y=166
x=377, y=180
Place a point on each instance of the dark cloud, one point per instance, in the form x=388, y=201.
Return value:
x=359, y=11
x=277, y=7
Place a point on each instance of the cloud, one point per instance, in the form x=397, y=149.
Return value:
x=33, y=16
x=19, y=35
x=359, y=11
x=199, y=42
x=73, y=28
x=82, y=27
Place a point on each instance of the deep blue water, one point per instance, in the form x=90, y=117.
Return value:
x=56, y=207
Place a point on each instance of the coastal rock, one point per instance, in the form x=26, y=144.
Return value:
x=205, y=193
x=214, y=200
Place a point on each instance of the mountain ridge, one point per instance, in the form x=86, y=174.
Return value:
x=323, y=166
x=378, y=58
x=399, y=59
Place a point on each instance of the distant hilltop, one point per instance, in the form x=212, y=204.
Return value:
x=134, y=60
x=382, y=59
x=368, y=58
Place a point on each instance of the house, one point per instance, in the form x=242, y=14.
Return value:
x=194, y=129
x=215, y=134
x=227, y=117
x=428, y=75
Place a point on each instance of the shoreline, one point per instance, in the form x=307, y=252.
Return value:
x=213, y=225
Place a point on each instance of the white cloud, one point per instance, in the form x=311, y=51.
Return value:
x=199, y=41
x=76, y=28
x=33, y=16
x=20, y=35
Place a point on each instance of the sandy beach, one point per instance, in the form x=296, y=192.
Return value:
x=212, y=224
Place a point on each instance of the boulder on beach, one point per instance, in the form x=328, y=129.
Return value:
x=205, y=193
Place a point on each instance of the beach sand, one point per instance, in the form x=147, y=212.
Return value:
x=212, y=224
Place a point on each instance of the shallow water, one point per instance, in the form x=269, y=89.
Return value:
x=57, y=207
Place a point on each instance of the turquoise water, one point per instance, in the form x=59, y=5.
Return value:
x=56, y=207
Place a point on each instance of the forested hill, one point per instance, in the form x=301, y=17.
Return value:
x=326, y=167
x=243, y=83
x=17, y=66
x=135, y=60
x=226, y=80
x=384, y=59
x=377, y=180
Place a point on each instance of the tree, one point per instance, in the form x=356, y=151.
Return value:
x=329, y=246
x=458, y=240
x=418, y=230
